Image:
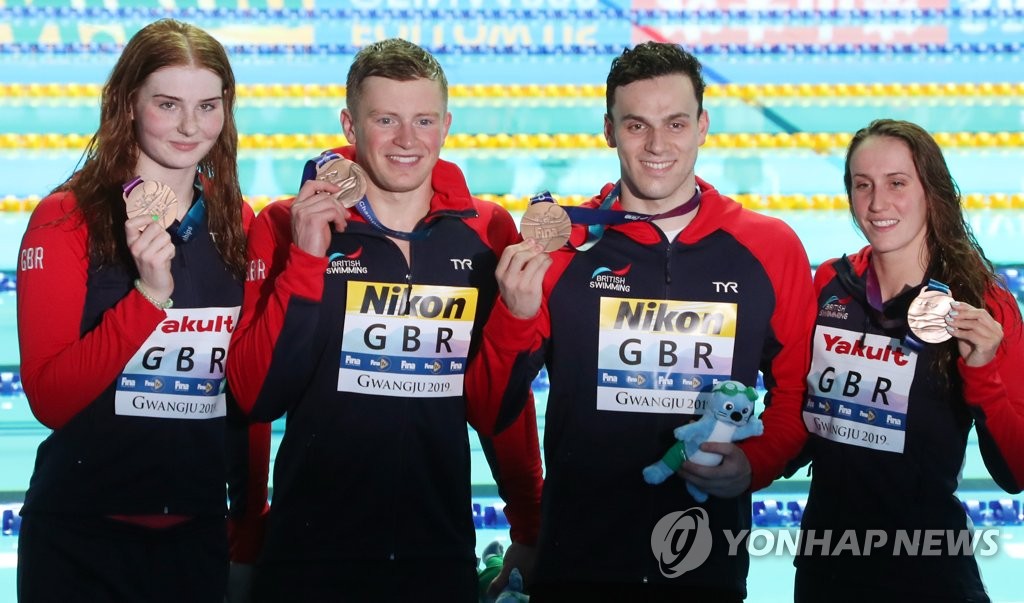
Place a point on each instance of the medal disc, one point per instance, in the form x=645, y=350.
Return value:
x=546, y=223
x=346, y=174
x=927, y=316
x=152, y=198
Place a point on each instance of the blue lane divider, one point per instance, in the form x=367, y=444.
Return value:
x=10, y=384
x=10, y=521
x=772, y=16
x=768, y=513
x=489, y=516
x=778, y=513
x=874, y=49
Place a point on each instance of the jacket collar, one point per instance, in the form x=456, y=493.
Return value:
x=715, y=210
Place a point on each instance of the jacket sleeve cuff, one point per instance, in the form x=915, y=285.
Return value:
x=525, y=530
x=304, y=274
x=508, y=332
x=245, y=536
x=983, y=383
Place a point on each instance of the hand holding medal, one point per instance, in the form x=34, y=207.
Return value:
x=545, y=227
x=346, y=174
x=149, y=197
x=151, y=249
x=926, y=315
x=546, y=223
x=935, y=317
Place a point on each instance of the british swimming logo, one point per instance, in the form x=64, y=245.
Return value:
x=614, y=280
x=346, y=263
x=350, y=256
x=681, y=541
x=835, y=307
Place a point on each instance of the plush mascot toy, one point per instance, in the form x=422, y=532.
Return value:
x=729, y=417
x=494, y=560
x=513, y=593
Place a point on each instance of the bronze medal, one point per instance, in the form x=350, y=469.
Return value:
x=153, y=198
x=546, y=223
x=346, y=174
x=926, y=316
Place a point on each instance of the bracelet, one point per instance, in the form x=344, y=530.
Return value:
x=163, y=305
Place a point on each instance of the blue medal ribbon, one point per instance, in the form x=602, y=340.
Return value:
x=195, y=216
x=599, y=219
x=874, y=296
x=363, y=206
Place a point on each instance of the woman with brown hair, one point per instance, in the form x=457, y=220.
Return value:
x=129, y=285
x=916, y=341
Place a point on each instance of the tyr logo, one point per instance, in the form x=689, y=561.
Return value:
x=462, y=264
x=726, y=287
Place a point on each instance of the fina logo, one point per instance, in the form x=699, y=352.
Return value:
x=681, y=541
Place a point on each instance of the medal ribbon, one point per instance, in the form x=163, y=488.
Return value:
x=193, y=218
x=598, y=219
x=363, y=206
x=127, y=187
x=874, y=295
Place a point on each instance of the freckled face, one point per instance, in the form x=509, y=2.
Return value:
x=178, y=114
x=398, y=128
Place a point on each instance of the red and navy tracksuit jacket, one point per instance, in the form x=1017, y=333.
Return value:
x=888, y=437
x=630, y=330
x=354, y=347
x=134, y=394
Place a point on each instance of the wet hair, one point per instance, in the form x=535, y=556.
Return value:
x=650, y=60
x=394, y=59
x=110, y=157
x=954, y=255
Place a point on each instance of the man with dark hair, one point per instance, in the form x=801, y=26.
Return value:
x=360, y=315
x=670, y=289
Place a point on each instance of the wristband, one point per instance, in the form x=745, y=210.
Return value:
x=163, y=305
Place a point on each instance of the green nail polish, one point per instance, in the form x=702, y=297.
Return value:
x=156, y=218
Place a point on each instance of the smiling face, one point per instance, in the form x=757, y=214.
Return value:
x=178, y=114
x=888, y=199
x=656, y=126
x=398, y=128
